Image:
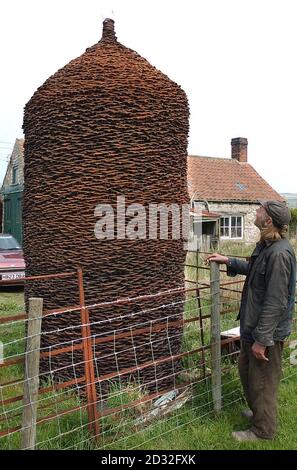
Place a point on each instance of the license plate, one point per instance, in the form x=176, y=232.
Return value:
x=9, y=276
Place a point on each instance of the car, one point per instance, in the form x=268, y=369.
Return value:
x=12, y=263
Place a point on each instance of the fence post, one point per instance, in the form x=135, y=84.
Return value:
x=93, y=415
x=200, y=315
x=31, y=384
x=216, y=373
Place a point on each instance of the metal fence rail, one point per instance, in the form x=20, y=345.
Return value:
x=95, y=408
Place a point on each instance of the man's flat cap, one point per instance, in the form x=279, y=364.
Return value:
x=278, y=211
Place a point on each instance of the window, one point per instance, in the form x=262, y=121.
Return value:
x=14, y=175
x=231, y=226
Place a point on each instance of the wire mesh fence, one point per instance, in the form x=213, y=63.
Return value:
x=78, y=404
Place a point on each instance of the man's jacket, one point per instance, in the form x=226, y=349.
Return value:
x=268, y=296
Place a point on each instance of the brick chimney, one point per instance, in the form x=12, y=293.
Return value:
x=239, y=149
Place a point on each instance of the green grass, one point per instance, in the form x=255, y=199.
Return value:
x=48, y=433
x=192, y=427
x=195, y=427
x=12, y=303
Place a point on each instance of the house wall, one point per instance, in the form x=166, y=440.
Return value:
x=12, y=193
x=248, y=211
x=16, y=159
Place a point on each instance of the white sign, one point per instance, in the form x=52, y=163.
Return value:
x=8, y=276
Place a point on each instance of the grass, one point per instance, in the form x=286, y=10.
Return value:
x=195, y=427
x=12, y=303
x=192, y=427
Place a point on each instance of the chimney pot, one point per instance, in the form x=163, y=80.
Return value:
x=239, y=149
x=108, y=33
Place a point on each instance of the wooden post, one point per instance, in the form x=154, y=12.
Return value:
x=31, y=385
x=93, y=416
x=200, y=316
x=216, y=373
x=197, y=266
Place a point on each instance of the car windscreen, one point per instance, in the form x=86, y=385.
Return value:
x=9, y=243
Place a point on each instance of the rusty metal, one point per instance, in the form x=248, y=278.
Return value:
x=105, y=125
x=145, y=365
x=11, y=382
x=88, y=358
x=40, y=408
x=51, y=388
x=10, y=362
x=6, y=432
x=74, y=308
x=157, y=327
x=58, y=351
x=7, y=401
x=62, y=385
x=143, y=400
x=103, y=413
x=13, y=318
x=43, y=276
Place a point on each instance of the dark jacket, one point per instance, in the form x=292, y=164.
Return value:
x=268, y=296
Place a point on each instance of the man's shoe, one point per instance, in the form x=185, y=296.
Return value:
x=245, y=436
x=248, y=414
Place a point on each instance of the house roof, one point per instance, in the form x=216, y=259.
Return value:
x=18, y=149
x=214, y=215
x=205, y=214
x=19, y=143
x=226, y=179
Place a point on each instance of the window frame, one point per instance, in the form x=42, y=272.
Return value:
x=230, y=226
x=14, y=175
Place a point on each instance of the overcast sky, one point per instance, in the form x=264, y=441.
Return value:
x=236, y=60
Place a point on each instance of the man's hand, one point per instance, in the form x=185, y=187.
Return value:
x=258, y=351
x=220, y=259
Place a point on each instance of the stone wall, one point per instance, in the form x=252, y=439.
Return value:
x=16, y=160
x=248, y=211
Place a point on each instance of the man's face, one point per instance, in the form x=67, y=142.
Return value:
x=262, y=218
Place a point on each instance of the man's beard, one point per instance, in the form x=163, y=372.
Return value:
x=260, y=224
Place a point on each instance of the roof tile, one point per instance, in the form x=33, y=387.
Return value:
x=225, y=179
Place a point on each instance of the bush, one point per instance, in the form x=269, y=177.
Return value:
x=293, y=223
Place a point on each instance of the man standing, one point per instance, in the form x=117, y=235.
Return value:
x=266, y=311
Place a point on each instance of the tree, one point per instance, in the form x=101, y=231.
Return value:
x=293, y=223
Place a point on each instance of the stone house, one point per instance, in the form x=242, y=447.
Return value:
x=12, y=192
x=232, y=188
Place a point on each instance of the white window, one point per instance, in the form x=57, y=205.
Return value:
x=14, y=174
x=231, y=226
